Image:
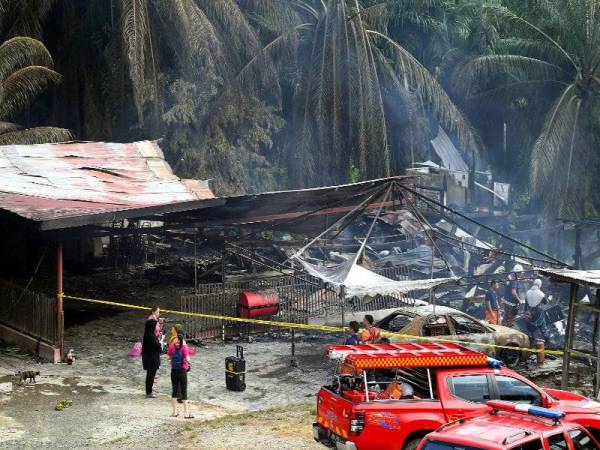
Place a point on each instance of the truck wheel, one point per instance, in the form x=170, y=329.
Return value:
x=510, y=357
x=412, y=444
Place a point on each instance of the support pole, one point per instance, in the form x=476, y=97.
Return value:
x=596, y=332
x=59, y=299
x=342, y=298
x=294, y=361
x=195, y=264
x=223, y=295
x=577, y=255
x=569, y=337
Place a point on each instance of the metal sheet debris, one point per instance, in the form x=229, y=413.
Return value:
x=583, y=277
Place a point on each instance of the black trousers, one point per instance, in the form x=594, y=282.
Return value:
x=150, y=374
x=179, y=383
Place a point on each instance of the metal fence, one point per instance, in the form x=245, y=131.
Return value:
x=301, y=298
x=27, y=311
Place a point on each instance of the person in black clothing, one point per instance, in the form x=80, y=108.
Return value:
x=353, y=338
x=150, y=355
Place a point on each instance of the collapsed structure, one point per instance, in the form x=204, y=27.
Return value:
x=312, y=255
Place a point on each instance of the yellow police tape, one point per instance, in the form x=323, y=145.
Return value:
x=302, y=326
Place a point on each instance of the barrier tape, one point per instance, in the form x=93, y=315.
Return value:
x=325, y=328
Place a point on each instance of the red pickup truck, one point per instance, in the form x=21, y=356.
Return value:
x=511, y=427
x=388, y=396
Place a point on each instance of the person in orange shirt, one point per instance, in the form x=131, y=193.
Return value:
x=371, y=334
x=398, y=391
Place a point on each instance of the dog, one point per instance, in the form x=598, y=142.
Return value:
x=26, y=376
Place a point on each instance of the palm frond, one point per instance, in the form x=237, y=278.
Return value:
x=37, y=135
x=19, y=52
x=549, y=156
x=193, y=32
x=432, y=93
x=28, y=17
x=135, y=33
x=506, y=14
x=483, y=69
x=23, y=86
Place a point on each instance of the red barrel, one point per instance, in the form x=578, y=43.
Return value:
x=258, y=304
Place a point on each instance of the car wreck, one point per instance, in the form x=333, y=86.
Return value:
x=445, y=322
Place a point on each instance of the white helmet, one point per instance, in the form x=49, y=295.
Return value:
x=518, y=268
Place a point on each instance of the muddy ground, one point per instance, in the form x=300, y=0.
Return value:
x=105, y=386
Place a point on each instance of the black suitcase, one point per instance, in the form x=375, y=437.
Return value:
x=235, y=371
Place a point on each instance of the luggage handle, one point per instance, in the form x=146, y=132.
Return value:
x=239, y=351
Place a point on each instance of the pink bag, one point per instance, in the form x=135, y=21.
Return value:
x=136, y=350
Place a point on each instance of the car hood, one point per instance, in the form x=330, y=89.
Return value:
x=509, y=335
x=569, y=402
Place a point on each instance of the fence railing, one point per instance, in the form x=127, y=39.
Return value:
x=301, y=298
x=28, y=311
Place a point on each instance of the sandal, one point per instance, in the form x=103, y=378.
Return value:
x=189, y=417
x=175, y=415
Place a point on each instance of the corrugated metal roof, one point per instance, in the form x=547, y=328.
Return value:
x=582, y=277
x=56, y=181
x=447, y=152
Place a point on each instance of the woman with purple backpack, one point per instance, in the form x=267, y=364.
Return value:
x=179, y=354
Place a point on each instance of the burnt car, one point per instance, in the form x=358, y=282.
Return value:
x=452, y=324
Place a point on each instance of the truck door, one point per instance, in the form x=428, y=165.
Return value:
x=333, y=412
x=467, y=395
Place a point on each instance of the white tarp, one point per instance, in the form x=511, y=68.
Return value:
x=360, y=282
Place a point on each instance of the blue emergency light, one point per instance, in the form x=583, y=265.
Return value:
x=495, y=363
x=538, y=411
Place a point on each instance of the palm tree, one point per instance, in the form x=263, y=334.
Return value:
x=342, y=69
x=208, y=36
x=25, y=72
x=550, y=48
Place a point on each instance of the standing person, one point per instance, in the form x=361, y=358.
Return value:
x=536, y=322
x=372, y=334
x=512, y=300
x=492, y=306
x=179, y=355
x=155, y=315
x=353, y=338
x=176, y=330
x=150, y=355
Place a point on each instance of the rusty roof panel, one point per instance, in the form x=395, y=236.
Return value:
x=51, y=181
x=583, y=277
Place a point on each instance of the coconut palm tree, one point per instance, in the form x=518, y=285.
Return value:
x=25, y=72
x=202, y=35
x=550, y=49
x=342, y=69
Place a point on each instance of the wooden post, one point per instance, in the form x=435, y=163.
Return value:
x=294, y=361
x=596, y=332
x=223, y=296
x=577, y=255
x=342, y=298
x=195, y=264
x=569, y=336
x=59, y=300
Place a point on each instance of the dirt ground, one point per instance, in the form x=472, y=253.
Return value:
x=105, y=386
x=109, y=409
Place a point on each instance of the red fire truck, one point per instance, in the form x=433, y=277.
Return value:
x=511, y=427
x=388, y=396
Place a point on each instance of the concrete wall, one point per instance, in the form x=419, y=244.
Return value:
x=29, y=343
